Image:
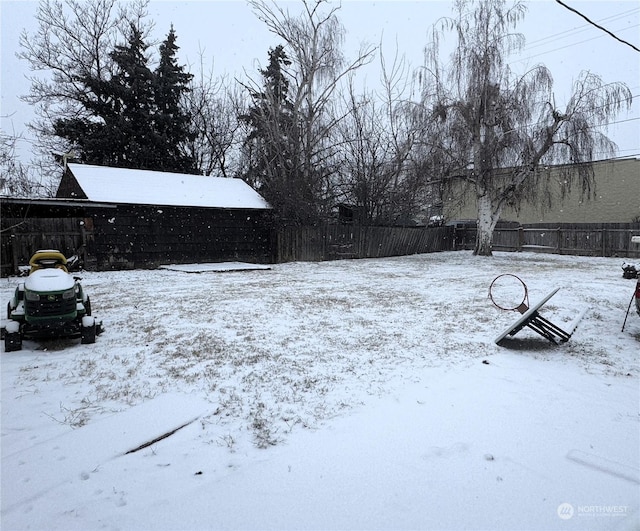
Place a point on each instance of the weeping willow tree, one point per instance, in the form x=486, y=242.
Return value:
x=498, y=130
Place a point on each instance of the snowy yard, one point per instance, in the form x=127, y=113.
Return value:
x=357, y=394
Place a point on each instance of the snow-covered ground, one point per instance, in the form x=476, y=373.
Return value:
x=360, y=394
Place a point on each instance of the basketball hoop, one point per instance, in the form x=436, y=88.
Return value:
x=504, y=290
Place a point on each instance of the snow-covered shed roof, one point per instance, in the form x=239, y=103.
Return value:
x=144, y=187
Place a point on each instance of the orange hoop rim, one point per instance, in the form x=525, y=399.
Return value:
x=525, y=298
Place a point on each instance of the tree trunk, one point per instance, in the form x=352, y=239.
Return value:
x=487, y=220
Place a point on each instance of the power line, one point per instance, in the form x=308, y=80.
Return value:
x=597, y=25
x=580, y=29
x=620, y=121
x=572, y=44
x=570, y=34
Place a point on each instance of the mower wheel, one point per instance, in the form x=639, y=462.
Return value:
x=88, y=331
x=12, y=341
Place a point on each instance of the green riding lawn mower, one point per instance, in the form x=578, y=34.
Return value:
x=50, y=303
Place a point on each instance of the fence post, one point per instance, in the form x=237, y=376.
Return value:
x=13, y=241
x=520, y=238
x=325, y=241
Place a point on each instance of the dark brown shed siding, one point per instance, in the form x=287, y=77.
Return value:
x=145, y=236
x=132, y=236
x=69, y=187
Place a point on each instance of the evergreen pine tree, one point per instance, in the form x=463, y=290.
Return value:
x=134, y=106
x=118, y=131
x=171, y=122
x=135, y=117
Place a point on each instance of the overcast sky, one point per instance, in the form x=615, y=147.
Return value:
x=231, y=38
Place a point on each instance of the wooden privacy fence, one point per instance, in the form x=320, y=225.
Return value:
x=335, y=242
x=587, y=239
x=22, y=237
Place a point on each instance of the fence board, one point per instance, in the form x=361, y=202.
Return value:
x=24, y=236
x=337, y=242
x=612, y=239
x=328, y=242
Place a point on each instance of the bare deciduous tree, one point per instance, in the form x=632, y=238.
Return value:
x=72, y=42
x=377, y=147
x=214, y=106
x=496, y=130
x=313, y=43
x=16, y=178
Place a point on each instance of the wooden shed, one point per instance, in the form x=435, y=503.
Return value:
x=127, y=219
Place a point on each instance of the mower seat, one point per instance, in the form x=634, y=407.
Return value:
x=48, y=259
